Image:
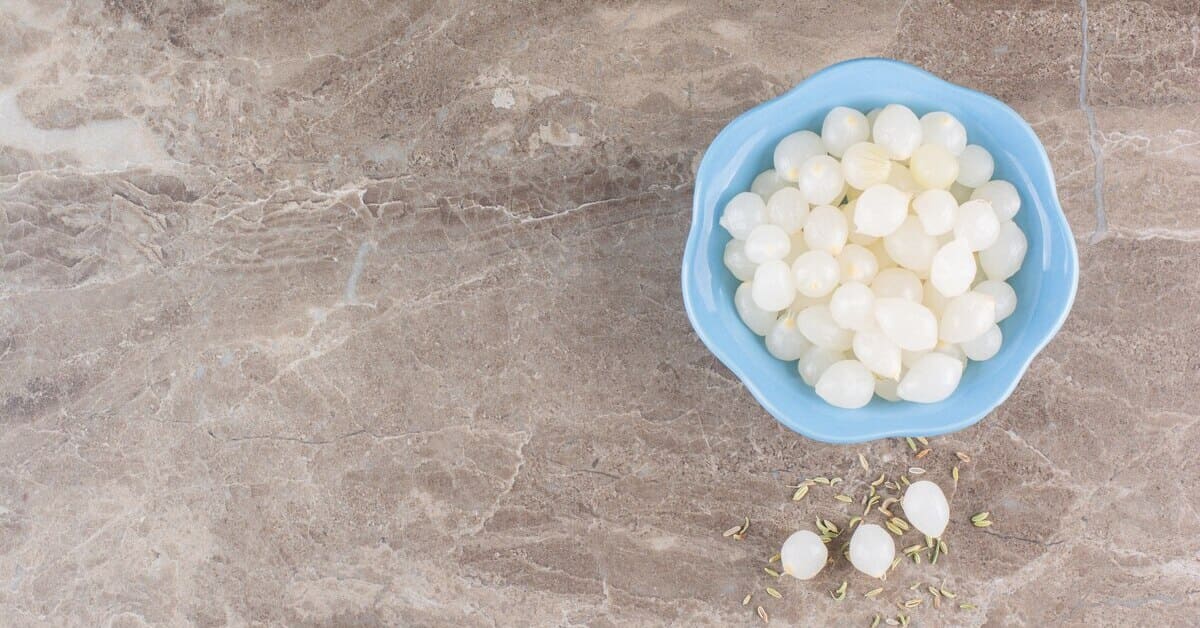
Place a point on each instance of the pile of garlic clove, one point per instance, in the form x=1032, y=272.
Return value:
x=876, y=255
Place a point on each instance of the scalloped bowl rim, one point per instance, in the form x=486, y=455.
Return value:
x=825, y=430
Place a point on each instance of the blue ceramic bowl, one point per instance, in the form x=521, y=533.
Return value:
x=1045, y=285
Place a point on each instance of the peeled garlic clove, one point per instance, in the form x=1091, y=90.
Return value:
x=846, y=384
x=1006, y=297
x=757, y=319
x=821, y=180
x=815, y=361
x=877, y=353
x=897, y=283
x=767, y=184
x=880, y=210
x=898, y=130
x=910, y=246
x=816, y=273
x=842, y=128
x=795, y=149
x=857, y=263
x=872, y=550
x=826, y=229
x=816, y=323
x=932, y=378
x=985, y=346
x=975, y=166
x=967, y=316
x=943, y=129
x=1003, y=196
x=933, y=166
x=865, y=164
x=803, y=555
x=743, y=213
x=953, y=268
x=976, y=223
x=1003, y=259
x=926, y=508
x=853, y=306
x=788, y=209
x=773, y=286
x=767, y=243
x=908, y=324
x=737, y=262
x=937, y=210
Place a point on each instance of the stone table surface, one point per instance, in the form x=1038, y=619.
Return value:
x=342, y=313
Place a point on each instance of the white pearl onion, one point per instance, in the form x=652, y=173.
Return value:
x=1004, y=257
x=953, y=268
x=865, y=164
x=774, y=288
x=910, y=325
x=815, y=361
x=826, y=229
x=821, y=180
x=795, y=149
x=757, y=319
x=880, y=210
x=785, y=341
x=932, y=166
x=847, y=384
x=737, y=262
x=803, y=555
x=943, y=129
x=985, y=346
x=767, y=184
x=897, y=283
x=931, y=379
x=872, y=550
x=743, y=213
x=926, y=508
x=878, y=353
x=787, y=209
x=937, y=210
x=767, y=243
x=1003, y=196
x=857, y=263
x=852, y=306
x=909, y=245
x=815, y=273
x=967, y=316
x=816, y=323
x=1006, y=297
x=898, y=131
x=975, y=166
x=976, y=223
x=842, y=128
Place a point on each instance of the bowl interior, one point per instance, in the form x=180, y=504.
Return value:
x=1045, y=285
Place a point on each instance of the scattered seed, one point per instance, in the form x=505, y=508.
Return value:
x=746, y=600
x=883, y=508
x=732, y=531
x=911, y=444
x=942, y=548
x=928, y=540
x=981, y=520
x=913, y=548
x=915, y=471
x=934, y=591
x=954, y=474
x=821, y=480
x=895, y=562
x=949, y=594
x=891, y=485
x=741, y=533
x=873, y=592
x=915, y=586
x=904, y=479
x=832, y=528
x=923, y=453
x=980, y=516
x=762, y=613
x=774, y=559
x=771, y=572
x=854, y=521
x=773, y=593
x=834, y=481
x=967, y=606
x=875, y=622
x=962, y=456
x=923, y=440
x=892, y=622
x=933, y=554
x=916, y=556
x=800, y=493
x=880, y=480
x=913, y=603
x=937, y=602
x=839, y=594
x=903, y=619
x=862, y=462
x=983, y=524
x=900, y=523
x=895, y=530
x=844, y=499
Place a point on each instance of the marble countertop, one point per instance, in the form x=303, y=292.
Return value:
x=343, y=313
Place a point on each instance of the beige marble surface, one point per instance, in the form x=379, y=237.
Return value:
x=358, y=313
